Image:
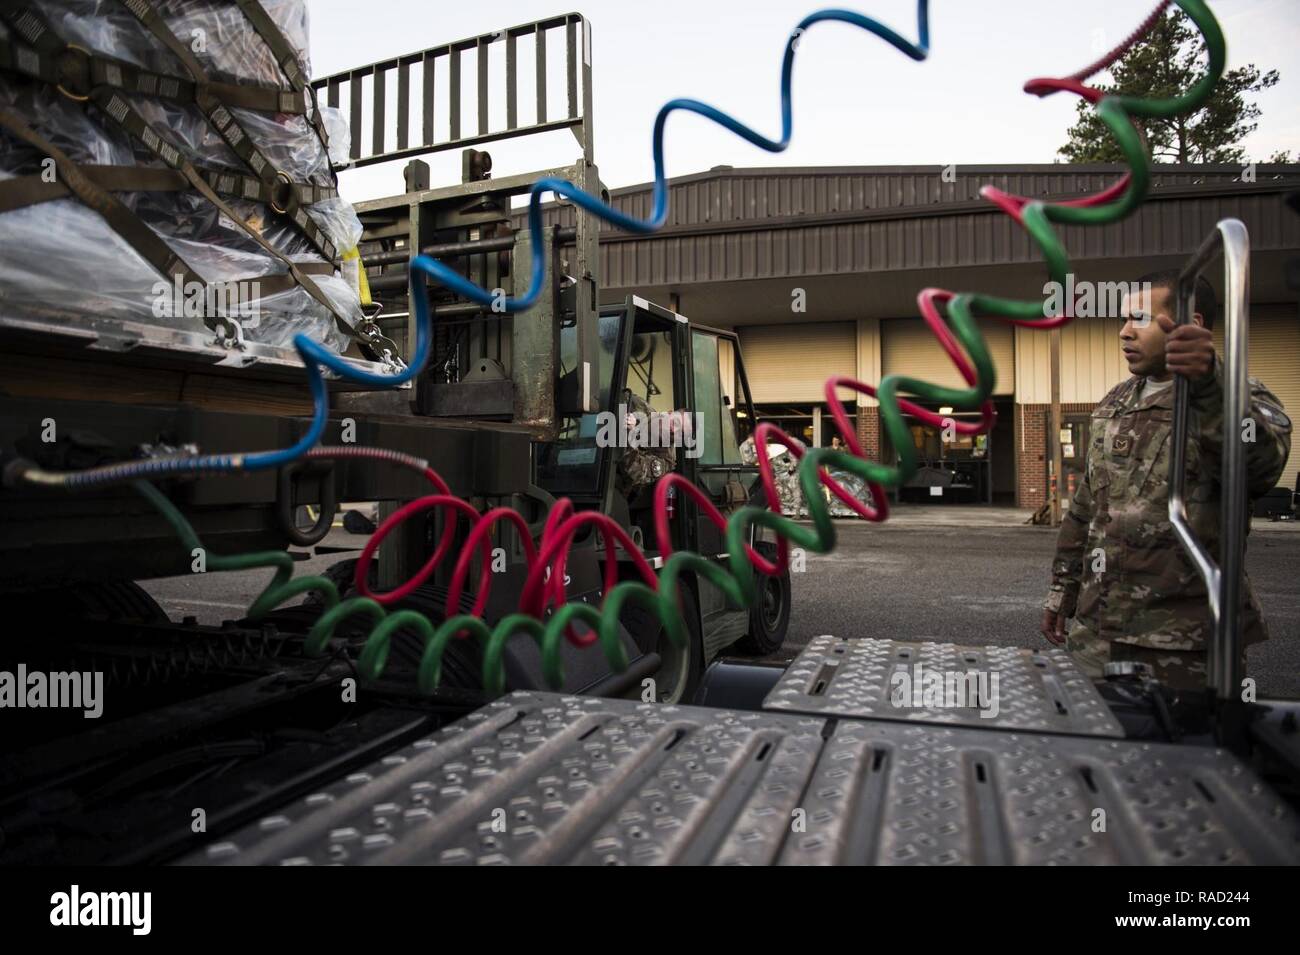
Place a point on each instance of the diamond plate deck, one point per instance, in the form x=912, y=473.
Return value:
x=1036, y=691
x=543, y=778
x=547, y=779
x=912, y=794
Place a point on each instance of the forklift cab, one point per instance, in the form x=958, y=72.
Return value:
x=657, y=361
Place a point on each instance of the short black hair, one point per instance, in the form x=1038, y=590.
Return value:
x=1205, y=302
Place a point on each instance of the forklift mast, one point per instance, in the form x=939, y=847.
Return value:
x=488, y=365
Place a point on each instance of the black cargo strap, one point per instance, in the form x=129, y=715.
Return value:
x=271, y=187
x=75, y=71
x=277, y=282
x=91, y=184
x=281, y=192
x=22, y=191
x=122, y=220
x=282, y=195
x=115, y=106
x=29, y=190
x=257, y=287
x=275, y=189
x=286, y=56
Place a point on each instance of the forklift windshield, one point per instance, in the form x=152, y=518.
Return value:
x=572, y=463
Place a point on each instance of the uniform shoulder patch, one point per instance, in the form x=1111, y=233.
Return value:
x=1274, y=416
x=1268, y=405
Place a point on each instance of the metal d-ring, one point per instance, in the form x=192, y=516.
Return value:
x=75, y=48
x=288, y=184
x=235, y=339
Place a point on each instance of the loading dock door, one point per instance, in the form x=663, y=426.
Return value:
x=1274, y=360
x=790, y=363
x=908, y=348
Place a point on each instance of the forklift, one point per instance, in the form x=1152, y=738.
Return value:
x=649, y=354
x=507, y=412
x=557, y=370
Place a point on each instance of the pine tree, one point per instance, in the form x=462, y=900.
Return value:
x=1164, y=64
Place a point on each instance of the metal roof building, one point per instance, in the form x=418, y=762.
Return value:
x=746, y=248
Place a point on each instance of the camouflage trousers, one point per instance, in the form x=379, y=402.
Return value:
x=1176, y=669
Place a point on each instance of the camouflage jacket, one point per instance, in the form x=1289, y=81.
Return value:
x=1119, y=569
x=642, y=466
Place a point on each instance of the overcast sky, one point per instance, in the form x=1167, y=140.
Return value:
x=857, y=101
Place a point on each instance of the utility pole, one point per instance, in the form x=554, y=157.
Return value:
x=1054, y=432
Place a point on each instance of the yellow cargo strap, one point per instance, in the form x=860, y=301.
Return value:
x=362, y=283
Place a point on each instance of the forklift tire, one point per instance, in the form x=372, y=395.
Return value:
x=684, y=683
x=769, y=618
x=105, y=600
x=460, y=666
x=341, y=574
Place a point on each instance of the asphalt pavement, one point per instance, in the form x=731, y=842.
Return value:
x=984, y=585
x=975, y=576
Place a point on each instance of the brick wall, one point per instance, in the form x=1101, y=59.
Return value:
x=1032, y=423
x=869, y=430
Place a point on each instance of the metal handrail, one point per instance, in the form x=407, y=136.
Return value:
x=1222, y=579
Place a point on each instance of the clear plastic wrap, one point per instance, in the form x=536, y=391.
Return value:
x=339, y=221
x=61, y=255
x=219, y=37
x=67, y=125
x=340, y=136
x=110, y=280
x=107, y=26
x=290, y=143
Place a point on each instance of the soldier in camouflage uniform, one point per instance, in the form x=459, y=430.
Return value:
x=1119, y=570
x=785, y=475
x=641, y=466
